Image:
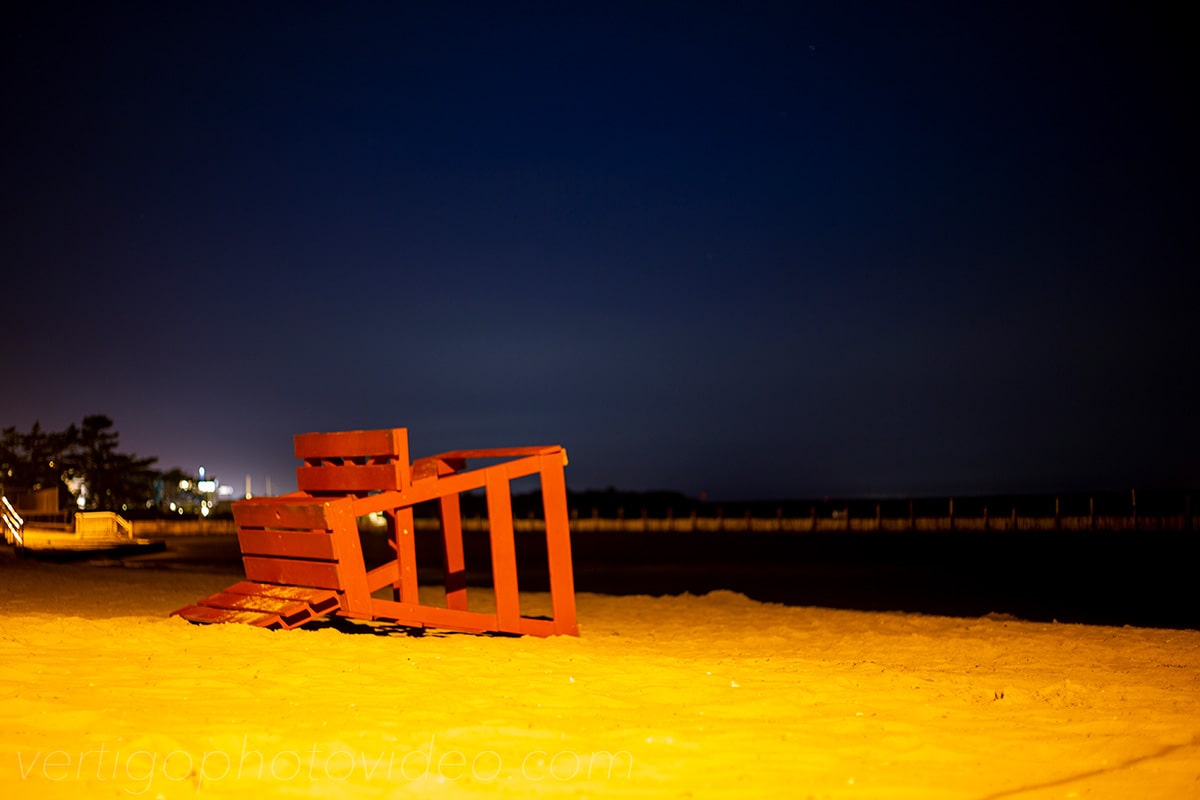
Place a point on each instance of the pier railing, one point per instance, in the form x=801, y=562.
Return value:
x=971, y=516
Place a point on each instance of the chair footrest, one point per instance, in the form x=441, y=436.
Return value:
x=263, y=604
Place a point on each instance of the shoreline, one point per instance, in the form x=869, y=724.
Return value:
x=1140, y=579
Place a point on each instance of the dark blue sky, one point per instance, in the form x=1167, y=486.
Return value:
x=752, y=249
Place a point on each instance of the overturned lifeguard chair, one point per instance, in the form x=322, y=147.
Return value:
x=304, y=560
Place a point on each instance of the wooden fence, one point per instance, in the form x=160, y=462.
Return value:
x=849, y=524
x=840, y=520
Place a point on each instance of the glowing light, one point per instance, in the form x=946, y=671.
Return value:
x=185, y=485
x=12, y=522
x=206, y=486
x=77, y=487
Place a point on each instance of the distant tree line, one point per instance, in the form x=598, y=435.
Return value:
x=84, y=459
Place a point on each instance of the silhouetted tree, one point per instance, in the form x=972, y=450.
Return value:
x=86, y=455
x=115, y=481
x=12, y=459
x=35, y=460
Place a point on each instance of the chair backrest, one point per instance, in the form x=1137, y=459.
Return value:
x=306, y=542
x=353, y=462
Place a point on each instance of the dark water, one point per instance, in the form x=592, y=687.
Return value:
x=1142, y=579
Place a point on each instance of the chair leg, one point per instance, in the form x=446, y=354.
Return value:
x=558, y=545
x=504, y=551
x=401, y=529
x=453, y=559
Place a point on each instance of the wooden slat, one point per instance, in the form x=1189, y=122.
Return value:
x=343, y=444
x=317, y=574
x=351, y=568
x=378, y=503
x=558, y=545
x=293, y=544
x=434, y=617
x=256, y=602
x=290, y=602
x=427, y=468
x=352, y=478
x=317, y=598
x=384, y=575
x=504, y=549
x=457, y=483
x=522, y=467
x=222, y=615
x=269, y=512
x=400, y=524
x=500, y=452
x=453, y=558
x=537, y=627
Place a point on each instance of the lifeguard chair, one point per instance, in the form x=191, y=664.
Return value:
x=303, y=557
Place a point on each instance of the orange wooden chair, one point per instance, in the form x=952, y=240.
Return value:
x=303, y=558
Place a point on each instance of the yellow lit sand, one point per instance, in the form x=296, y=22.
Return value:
x=712, y=696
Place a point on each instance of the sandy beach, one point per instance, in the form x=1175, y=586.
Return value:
x=715, y=695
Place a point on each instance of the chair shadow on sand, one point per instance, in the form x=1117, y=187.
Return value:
x=385, y=628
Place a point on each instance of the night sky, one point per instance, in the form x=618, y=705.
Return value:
x=757, y=250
